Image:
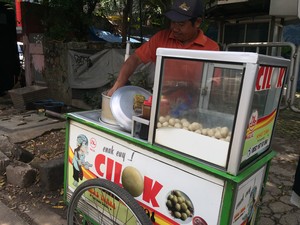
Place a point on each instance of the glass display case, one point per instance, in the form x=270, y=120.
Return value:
x=216, y=107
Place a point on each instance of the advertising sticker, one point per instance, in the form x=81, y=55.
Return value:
x=269, y=84
x=93, y=154
x=247, y=199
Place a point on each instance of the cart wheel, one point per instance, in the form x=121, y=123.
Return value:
x=100, y=201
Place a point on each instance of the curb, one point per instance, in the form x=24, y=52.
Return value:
x=10, y=217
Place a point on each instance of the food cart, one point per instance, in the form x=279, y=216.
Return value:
x=207, y=140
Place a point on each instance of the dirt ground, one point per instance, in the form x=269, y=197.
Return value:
x=52, y=144
x=48, y=146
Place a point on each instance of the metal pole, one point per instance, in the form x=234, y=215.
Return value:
x=141, y=22
x=127, y=54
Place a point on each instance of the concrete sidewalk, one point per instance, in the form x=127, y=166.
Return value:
x=8, y=217
x=35, y=216
x=276, y=207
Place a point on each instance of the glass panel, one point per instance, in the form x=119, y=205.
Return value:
x=268, y=90
x=224, y=95
x=181, y=86
x=259, y=102
x=197, y=98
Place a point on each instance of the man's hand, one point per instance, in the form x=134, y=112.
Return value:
x=111, y=91
x=126, y=71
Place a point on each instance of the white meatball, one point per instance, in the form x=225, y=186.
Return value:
x=165, y=124
x=218, y=134
x=198, y=131
x=172, y=121
x=162, y=119
x=178, y=125
x=185, y=124
x=204, y=131
x=183, y=120
x=196, y=126
x=211, y=132
x=228, y=138
x=224, y=132
x=159, y=125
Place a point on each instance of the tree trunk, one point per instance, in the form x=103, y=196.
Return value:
x=126, y=24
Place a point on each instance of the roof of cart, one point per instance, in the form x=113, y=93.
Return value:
x=239, y=57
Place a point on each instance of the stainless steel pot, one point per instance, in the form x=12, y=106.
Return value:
x=106, y=114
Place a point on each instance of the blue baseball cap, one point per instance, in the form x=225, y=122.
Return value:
x=183, y=10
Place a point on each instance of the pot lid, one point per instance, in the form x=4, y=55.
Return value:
x=121, y=104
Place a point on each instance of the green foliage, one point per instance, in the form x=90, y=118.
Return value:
x=140, y=79
x=93, y=98
x=12, y=2
x=108, y=8
x=68, y=20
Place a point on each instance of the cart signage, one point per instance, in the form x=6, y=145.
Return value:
x=269, y=84
x=265, y=76
x=247, y=199
x=157, y=183
x=258, y=136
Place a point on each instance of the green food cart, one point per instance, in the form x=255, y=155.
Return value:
x=207, y=140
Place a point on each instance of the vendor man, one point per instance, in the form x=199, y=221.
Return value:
x=184, y=33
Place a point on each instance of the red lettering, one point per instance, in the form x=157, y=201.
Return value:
x=258, y=79
x=93, y=192
x=106, y=200
x=99, y=160
x=269, y=75
x=280, y=78
x=109, y=169
x=112, y=171
x=118, y=172
x=266, y=70
x=263, y=80
x=150, y=191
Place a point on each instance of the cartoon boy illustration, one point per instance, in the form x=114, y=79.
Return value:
x=252, y=205
x=79, y=158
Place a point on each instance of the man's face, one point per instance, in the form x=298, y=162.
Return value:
x=185, y=31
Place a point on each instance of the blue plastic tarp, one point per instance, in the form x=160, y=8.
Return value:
x=102, y=35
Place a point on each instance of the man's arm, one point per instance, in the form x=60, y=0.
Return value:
x=126, y=71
